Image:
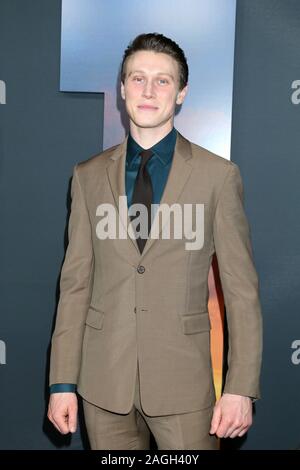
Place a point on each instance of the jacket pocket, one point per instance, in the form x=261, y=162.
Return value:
x=195, y=323
x=95, y=318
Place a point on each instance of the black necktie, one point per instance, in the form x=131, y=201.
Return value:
x=143, y=191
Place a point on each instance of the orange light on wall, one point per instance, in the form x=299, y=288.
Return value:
x=216, y=314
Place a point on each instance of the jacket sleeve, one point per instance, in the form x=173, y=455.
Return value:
x=75, y=292
x=240, y=288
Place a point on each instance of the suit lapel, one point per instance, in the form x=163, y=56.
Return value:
x=116, y=175
x=179, y=174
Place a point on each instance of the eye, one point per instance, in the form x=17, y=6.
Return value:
x=138, y=79
x=163, y=81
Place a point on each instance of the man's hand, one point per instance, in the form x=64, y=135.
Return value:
x=232, y=416
x=62, y=411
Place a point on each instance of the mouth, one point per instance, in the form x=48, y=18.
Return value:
x=147, y=107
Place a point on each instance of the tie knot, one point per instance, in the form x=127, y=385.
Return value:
x=146, y=155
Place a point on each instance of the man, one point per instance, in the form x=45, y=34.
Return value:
x=132, y=329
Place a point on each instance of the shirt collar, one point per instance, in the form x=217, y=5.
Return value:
x=163, y=149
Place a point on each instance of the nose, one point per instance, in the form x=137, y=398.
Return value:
x=148, y=90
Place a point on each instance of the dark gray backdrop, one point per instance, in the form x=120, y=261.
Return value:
x=43, y=133
x=266, y=146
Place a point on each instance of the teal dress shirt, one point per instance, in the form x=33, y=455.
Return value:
x=158, y=168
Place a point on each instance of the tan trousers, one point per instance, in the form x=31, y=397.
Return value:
x=113, y=431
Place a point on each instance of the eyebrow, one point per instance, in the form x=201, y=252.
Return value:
x=159, y=73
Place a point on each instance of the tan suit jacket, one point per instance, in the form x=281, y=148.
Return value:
x=119, y=309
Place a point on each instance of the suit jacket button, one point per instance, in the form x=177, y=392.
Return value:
x=141, y=269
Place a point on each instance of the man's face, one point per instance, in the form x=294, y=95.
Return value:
x=151, y=88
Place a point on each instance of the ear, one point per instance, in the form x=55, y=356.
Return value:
x=122, y=90
x=181, y=95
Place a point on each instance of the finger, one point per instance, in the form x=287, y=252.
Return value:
x=223, y=428
x=50, y=417
x=243, y=431
x=215, y=420
x=73, y=419
x=235, y=426
x=235, y=432
x=240, y=429
x=56, y=427
x=247, y=425
x=61, y=423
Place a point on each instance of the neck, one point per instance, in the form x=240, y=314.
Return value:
x=146, y=137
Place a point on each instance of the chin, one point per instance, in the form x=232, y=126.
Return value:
x=145, y=123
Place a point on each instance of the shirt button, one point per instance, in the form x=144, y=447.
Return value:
x=134, y=309
x=141, y=269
